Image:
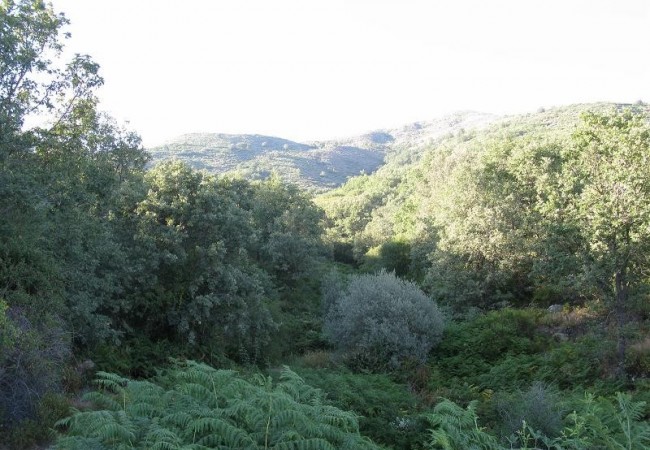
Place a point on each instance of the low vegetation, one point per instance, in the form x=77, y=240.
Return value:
x=196, y=406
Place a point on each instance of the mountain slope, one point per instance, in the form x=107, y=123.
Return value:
x=318, y=165
x=395, y=202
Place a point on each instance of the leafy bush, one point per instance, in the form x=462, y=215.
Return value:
x=583, y=362
x=393, y=256
x=568, y=365
x=508, y=350
x=379, y=320
x=299, y=316
x=196, y=406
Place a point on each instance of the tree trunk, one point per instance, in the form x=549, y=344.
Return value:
x=620, y=305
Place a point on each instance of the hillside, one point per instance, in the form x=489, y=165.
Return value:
x=318, y=165
x=412, y=200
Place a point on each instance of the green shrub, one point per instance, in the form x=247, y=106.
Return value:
x=510, y=372
x=393, y=256
x=508, y=350
x=378, y=321
x=298, y=314
x=581, y=363
x=637, y=358
x=316, y=359
x=569, y=365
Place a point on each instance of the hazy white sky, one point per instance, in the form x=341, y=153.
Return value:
x=319, y=69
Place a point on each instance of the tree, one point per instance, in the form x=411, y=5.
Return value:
x=487, y=221
x=289, y=229
x=61, y=181
x=197, y=283
x=30, y=81
x=607, y=183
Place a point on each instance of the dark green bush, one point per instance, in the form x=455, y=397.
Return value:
x=32, y=361
x=474, y=347
x=637, y=358
x=392, y=256
x=387, y=410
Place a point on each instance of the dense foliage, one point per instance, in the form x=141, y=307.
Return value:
x=99, y=257
x=501, y=215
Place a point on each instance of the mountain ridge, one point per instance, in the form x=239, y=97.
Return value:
x=313, y=165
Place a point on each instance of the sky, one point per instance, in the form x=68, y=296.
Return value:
x=323, y=69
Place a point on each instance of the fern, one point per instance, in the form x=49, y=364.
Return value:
x=455, y=428
x=634, y=433
x=160, y=438
x=197, y=406
x=599, y=425
x=306, y=444
x=604, y=425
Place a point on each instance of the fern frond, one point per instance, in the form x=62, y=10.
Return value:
x=628, y=408
x=635, y=434
x=287, y=417
x=457, y=428
x=197, y=391
x=205, y=424
x=114, y=432
x=356, y=442
x=440, y=439
x=103, y=400
x=110, y=381
x=340, y=419
x=305, y=444
x=178, y=419
x=159, y=438
x=143, y=409
x=252, y=415
x=212, y=431
x=79, y=443
x=66, y=421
